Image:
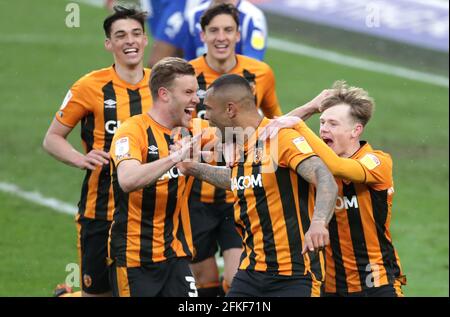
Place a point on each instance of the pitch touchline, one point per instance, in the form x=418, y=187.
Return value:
x=55, y=204
x=39, y=199
x=337, y=58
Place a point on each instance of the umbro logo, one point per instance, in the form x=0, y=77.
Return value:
x=153, y=150
x=110, y=103
x=201, y=94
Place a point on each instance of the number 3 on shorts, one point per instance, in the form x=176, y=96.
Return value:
x=191, y=282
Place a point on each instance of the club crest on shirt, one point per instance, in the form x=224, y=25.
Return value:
x=87, y=280
x=259, y=152
x=370, y=161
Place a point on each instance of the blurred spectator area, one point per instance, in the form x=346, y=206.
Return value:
x=411, y=33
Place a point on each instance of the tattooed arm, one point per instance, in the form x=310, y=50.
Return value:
x=218, y=176
x=315, y=172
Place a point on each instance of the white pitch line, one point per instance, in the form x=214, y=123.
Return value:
x=276, y=44
x=37, y=198
x=337, y=58
x=55, y=204
x=40, y=39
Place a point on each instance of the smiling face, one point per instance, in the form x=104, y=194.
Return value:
x=339, y=130
x=182, y=99
x=221, y=36
x=127, y=42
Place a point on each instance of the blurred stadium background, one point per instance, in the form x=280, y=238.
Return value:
x=403, y=64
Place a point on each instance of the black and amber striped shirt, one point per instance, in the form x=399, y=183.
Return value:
x=261, y=78
x=152, y=224
x=101, y=101
x=274, y=206
x=361, y=254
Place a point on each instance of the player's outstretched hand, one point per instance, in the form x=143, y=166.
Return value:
x=183, y=149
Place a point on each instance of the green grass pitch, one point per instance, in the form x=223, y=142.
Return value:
x=41, y=58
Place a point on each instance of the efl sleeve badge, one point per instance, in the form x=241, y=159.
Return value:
x=302, y=145
x=370, y=161
x=257, y=40
x=122, y=147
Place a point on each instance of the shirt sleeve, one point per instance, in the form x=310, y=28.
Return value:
x=126, y=144
x=378, y=168
x=255, y=43
x=292, y=149
x=269, y=104
x=74, y=106
x=364, y=170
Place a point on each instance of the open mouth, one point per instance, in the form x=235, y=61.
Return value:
x=130, y=51
x=189, y=111
x=328, y=141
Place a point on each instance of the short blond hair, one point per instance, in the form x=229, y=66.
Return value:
x=361, y=105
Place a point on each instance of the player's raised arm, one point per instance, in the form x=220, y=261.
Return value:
x=290, y=119
x=312, y=107
x=339, y=166
x=346, y=168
